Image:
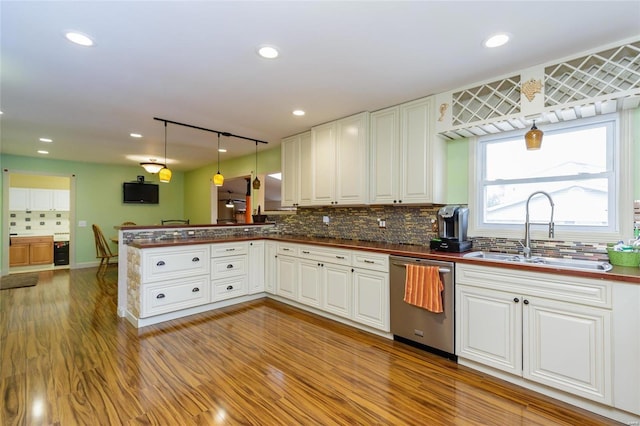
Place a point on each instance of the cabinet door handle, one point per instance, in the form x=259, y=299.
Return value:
x=305, y=252
x=195, y=290
x=229, y=287
x=369, y=261
x=230, y=249
x=160, y=296
x=515, y=299
x=339, y=257
x=526, y=302
x=285, y=249
x=160, y=263
x=195, y=259
x=230, y=266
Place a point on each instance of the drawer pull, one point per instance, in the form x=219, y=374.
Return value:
x=195, y=259
x=229, y=287
x=369, y=261
x=195, y=290
x=339, y=257
x=160, y=263
x=305, y=252
x=229, y=266
x=285, y=249
x=230, y=249
x=160, y=296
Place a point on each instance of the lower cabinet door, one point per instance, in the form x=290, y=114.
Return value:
x=287, y=277
x=309, y=282
x=371, y=298
x=489, y=328
x=171, y=296
x=566, y=346
x=230, y=288
x=338, y=288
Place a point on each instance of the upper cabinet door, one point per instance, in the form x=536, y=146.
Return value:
x=61, y=200
x=19, y=199
x=289, y=159
x=305, y=173
x=352, y=154
x=323, y=149
x=415, y=138
x=384, y=177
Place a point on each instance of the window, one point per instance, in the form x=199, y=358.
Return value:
x=577, y=166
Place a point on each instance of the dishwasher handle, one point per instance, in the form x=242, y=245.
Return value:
x=440, y=269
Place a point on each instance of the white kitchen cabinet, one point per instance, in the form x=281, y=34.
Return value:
x=547, y=329
x=173, y=295
x=19, y=199
x=408, y=161
x=270, y=267
x=337, y=296
x=371, y=298
x=38, y=199
x=287, y=281
x=229, y=270
x=310, y=282
x=340, y=161
x=161, y=264
x=296, y=185
x=61, y=199
x=256, y=267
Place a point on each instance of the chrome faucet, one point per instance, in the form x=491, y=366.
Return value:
x=526, y=250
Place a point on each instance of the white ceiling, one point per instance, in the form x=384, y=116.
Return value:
x=196, y=62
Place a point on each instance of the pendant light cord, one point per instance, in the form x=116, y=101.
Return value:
x=165, y=144
x=218, y=153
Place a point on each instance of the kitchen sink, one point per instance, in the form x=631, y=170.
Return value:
x=555, y=262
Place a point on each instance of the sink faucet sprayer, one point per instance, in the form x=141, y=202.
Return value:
x=527, y=234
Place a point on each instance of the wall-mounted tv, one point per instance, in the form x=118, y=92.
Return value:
x=140, y=193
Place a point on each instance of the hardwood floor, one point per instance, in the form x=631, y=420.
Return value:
x=67, y=359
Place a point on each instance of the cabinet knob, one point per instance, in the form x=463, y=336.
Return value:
x=229, y=287
x=195, y=259
x=160, y=263
x=525, y=301
x=229, y=266
x=395, y=201
x=195, y=290
x=160, y=296
x=515, y=299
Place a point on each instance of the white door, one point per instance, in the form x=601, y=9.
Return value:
x=338, y=289
x=323, y=145
x=287, y=280
x=567, y=346
x=384, y=181
x=415, y=139
x=256, y=267
x=371, y=298
x=309, y=282
x=489, y=328
x=352, y=159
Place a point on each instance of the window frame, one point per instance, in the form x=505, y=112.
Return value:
x=621, y=189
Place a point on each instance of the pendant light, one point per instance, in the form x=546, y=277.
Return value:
x=256, y=181
x=165, y=174
x=218, y=179
x=533, y=138
x=151, y=166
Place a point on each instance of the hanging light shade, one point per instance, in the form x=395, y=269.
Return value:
x=256, y=181
x=533, y=138
x=165, y=174
x=151, y=166
x=218, y=179
x=229, y=204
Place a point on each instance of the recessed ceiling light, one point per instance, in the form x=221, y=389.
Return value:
x=268, y=52
x=79, y=38
x=298, y=112
x=496, y=40
x=222, y=150
x=41, y=151
x=46, y=140
x=135, y=135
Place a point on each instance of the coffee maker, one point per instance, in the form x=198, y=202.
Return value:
x=452, y=230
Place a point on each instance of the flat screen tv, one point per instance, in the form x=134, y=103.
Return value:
x=140, y=193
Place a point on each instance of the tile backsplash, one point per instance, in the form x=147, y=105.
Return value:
x=38, y=221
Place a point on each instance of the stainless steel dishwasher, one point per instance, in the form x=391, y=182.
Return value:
x=411, y=324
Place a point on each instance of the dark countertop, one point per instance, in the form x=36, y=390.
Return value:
x=618, y=273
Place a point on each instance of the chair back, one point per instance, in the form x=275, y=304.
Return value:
x=102, y=245
x=175, y=221
x=128, y=223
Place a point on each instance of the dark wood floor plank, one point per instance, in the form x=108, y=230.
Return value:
x=68, y=359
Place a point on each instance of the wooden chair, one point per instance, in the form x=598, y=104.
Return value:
x=103, y=251
x=175, y=221
x=128, y=223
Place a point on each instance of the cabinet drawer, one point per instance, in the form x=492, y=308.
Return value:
x=321, y=254
x=288, y=249
x=163, y=264
x=373, y=261
x=172, y=296
x=229, y=249
x=230, y=266
x=229, y=288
